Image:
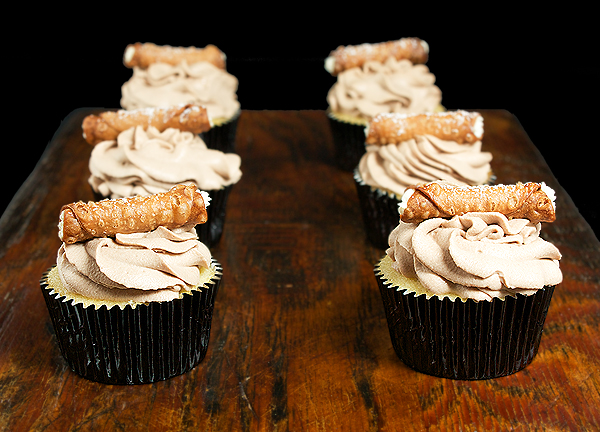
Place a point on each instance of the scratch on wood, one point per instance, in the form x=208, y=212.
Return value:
x=245, y=397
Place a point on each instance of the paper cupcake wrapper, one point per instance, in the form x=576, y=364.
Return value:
x=135, y=345
x=379, y=212
x=210, y=232
x=349, y=142
x=222, y=137
x=465, y=340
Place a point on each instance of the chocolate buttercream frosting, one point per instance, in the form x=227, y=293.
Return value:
x=476, y=255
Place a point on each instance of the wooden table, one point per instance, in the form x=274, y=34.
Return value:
x=299, y=338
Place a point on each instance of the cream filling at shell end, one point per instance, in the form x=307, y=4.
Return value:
x=129, y=52
x=205, y=197
x=550, y=192
x=405, y=197
x=61, y=219
x=478, y=127
x=329, y=64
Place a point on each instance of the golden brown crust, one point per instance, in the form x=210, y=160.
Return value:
x=520, y=200
x=461, y=126
x=346, y=57
x=180, y=206
x=144, y=54
x=107, y=125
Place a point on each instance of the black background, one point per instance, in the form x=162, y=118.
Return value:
x=539, y=66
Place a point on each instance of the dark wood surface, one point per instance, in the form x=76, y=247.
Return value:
x=299, y=338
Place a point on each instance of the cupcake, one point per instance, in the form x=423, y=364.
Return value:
x=467, y=280
x=166, y=75
x=131, y=296
x=376, y=78
x=145, y=158
x=408, y=149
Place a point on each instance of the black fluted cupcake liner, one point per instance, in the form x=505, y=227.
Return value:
x=465, y=340
x=210, y=232
x=349, y=142
x=379, y=211
x=134, y=345
x=222, y=136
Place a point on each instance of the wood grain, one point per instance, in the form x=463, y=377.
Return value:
x=299, y=338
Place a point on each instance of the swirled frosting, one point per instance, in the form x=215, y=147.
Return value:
x=393, y=86
x=133, y=268
x=144, y=162
x=202, y=83
x=478, y=256
x=425, y=158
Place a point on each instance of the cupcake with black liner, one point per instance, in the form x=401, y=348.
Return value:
x=164, y=75
x=132, y=294
x=408, y=149
x=376, y=78
x=148, y=158
x=467, y=280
